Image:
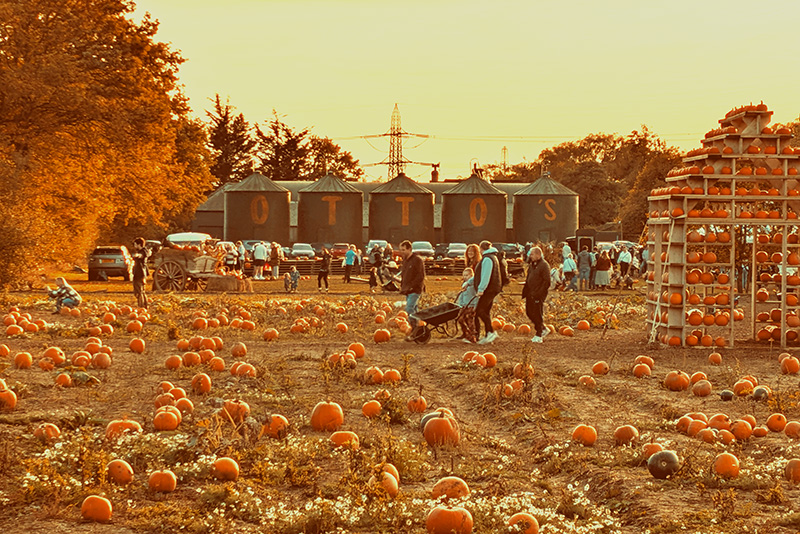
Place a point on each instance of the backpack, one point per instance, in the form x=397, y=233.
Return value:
x=505, y=279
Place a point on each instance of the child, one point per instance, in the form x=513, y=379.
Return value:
x=295, y=277
x=467, y=301
x=64, y=295
x=287, y=282
x=373, y=279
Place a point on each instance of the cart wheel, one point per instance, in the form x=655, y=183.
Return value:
x=170, y=276
x=196, y=284
x=423, y=336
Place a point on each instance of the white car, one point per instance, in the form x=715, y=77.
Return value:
x=192, y=239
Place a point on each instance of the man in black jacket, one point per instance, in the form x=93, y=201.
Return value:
x=412, y=281
x=140, y=255
x=537, y=282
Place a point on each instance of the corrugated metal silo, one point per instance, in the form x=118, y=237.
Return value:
x=472, y=211
x=330, y=211
x=401, y=209
x=257, y=208
x=545, y=211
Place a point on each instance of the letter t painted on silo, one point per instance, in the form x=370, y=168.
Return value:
x=404, y=213
x=331, y=200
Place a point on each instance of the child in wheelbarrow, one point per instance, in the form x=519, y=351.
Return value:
x=467, y=299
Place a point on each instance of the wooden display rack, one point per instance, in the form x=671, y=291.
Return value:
x=741, y=187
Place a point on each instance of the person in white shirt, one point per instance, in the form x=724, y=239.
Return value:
x=624, y=261
x=570, y=269
x=259, y=260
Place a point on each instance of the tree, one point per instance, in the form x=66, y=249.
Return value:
x=282, y=151
x=324, y=156
x=519, y=172
x=231, y=143
x=91, y=123
x=633, y=210
x=598, y=194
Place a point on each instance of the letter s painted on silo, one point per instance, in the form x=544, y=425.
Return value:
x=259, y=209
x=550, y=213
x=477, y=212
x=331, y=200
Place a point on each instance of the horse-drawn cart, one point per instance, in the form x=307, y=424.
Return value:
x=182, y=269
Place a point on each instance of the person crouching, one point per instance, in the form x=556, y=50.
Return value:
x=64, y=295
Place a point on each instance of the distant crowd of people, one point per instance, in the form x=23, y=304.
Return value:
x=600, y=268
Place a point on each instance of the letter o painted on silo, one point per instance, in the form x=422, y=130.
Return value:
x=259, y=209
x=477, y=212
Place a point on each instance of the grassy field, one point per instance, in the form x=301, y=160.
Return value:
x=515, y=452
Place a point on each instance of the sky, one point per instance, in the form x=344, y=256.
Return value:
x=478, y=76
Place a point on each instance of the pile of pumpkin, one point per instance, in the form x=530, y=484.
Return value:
x=17, y=323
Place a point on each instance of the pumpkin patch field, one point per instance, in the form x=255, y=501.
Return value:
x=309, y=413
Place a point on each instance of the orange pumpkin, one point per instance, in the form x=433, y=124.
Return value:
x=96, y=508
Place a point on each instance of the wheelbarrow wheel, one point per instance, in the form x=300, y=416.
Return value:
x=423, y=335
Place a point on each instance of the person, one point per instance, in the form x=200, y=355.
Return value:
x=294, y=276
x=376, y=257
x=502, y=264
x=230, y=257
x=584, y=268
x=241, y=255
x=487, y=286
x=388, y=253
x=387, y=277
x=557, y=282
x=349, y=262
x=603, y=265
x=645, y=261
x=534, y=292
x=570, y=268
x=624, y=261
x=259, y=260
x=594, y=253
x=472, y=256
x=565, y=251
x=324, y=270
x=373, y=279
x=412, y=282
x=287, y=282
x=467, y=299
x=275, y=257
x=140, y=255
x=64, y=295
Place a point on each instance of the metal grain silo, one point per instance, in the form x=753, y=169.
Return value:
x=401, y=209
x=545, y=211
x=209, y=217
x=473, y=210
x=257, y=208
x=330, y=211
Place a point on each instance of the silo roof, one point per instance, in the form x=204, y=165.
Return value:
x=216, y=200
x=401, y=184
x=473, y=185
x=546, y=186
x=330, y=184
x=257, y=182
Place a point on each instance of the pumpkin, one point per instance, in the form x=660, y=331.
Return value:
x=137, y=345
x=165, y=420
x=626, y=435
x=381, y=336
x=677, y=381
x=663, y=464
x=585, y=435
x=392, y=376
x=23, y=360
x=524, y=522
x=184, y=405
x=327, y=416
x=46, y=432
x=276, y=426
x=345, y=438
x=417, y=404
x=587, y=382
x=237, y=410
x=441, y=429
x=225, y=469
x=371, y=408
x=373, y=375
x=702, y=388
x=445, y=520
x=96, y=508
x=776, y=422
x=427, y=417
x=600, y=368
x=119, y=471
x=792, y=471
x=726, y=465
x=649, y=449
x=162, y=481
x=101, y=360
x=201, y=383
x=118, y=427
x=523, y=371
x=451, y=488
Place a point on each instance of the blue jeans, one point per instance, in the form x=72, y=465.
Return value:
x=68, y=302
x=411, y=308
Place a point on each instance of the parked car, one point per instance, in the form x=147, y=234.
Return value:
x=110, y=260
x=440, y=251
x=319, y=246
x=456, y=250
x=514, y=251
x=302, y=251
x=338, y=250
x=423, y=249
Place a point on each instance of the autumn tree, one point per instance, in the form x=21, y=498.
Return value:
x=324, y=156
x=95, y=135
x=633, y=210
x=230, y=139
